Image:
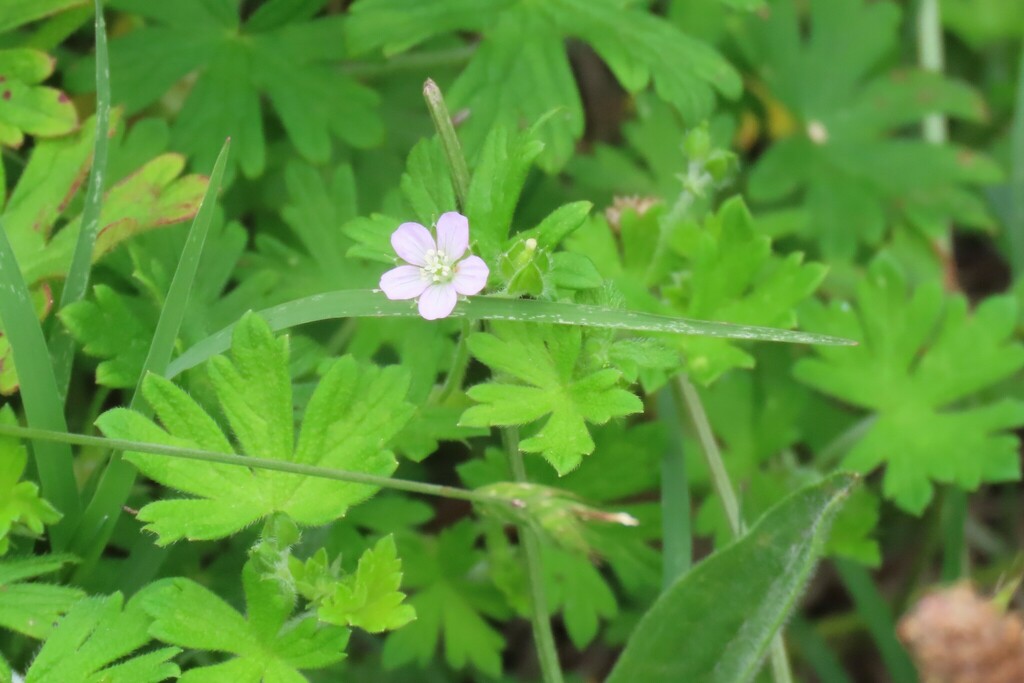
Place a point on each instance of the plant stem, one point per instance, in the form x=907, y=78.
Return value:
x=727, y=494
x=453, y=380
x=438, y=490
x=719, y=476
x=676, y=527
x=954, y=523
x=449, y=141
x=1015, y=230
x=544, y=639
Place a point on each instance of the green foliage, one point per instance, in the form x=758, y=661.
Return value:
x=370, y=598
x=266, y=644
x=837, y=150
x=509, y=79
x=98, y=642
x=452, y=604
x=279, y=52
x=354, y=410
x=32, y=608
x=26, y=106
x=22, y=511
x=911, y=371
x=764, y=574
x=557, y=382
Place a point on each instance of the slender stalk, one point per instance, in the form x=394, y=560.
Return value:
x=954, y=525
x=453, y=380
x=544, y=639
x=77, y=282
x=727, y=494
x=719, y=476
x=50, y=436
x=449, y=141
x=930, y=54
x=676, y=524
x=1015, y=231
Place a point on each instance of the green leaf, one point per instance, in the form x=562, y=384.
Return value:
x=370, y=598
x=354, y=410
x=839, y=150
x=22, y=511
x=555, y=383
x=509, y=80
x=97, y=641
x=26, y=106
x=267, y=645
x=283, y=55
x=18, y=12
x=451, y=605
x=763, y=573
x=33, y=608
x=910, y=370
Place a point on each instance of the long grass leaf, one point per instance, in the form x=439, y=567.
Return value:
x=365, y=303
x=43, y=406
x=116, y=481
x=1015, y=230
x=77, y=282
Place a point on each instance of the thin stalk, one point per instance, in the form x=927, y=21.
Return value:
x=544, y=639
x=726, y=493
x=676, y=524
x=77, y=282
x=1015, y=231
x=877, y=615
x=50, y=436
x=930, y=53
x=449, y=141
x=453, y=380
x=954, y=524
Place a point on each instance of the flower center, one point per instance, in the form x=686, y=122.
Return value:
x=437, y=269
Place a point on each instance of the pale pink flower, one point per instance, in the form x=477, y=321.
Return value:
x=435, y=273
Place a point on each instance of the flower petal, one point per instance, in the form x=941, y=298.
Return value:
x=470, y=275
x=403, y=282
x=452, y=235
x=437, y=301
x=411, y=242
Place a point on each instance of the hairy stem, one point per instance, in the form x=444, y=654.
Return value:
x=248, y=461
x=449, y=141
x=543, y=637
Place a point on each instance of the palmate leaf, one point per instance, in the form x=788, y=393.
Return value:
x=26, y=106
x=370, y=598
x=556, y=384
x=354, y=410
x=838, y=150
x=922, y=361
x=279, y=52
x=452, y=604
x=509, y=79
x=266, y=644
x=97, y=642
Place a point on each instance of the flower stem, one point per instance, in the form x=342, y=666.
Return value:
x=677, y=539
x=248, y=461
x=544, y=639
x=449, y=141
x=453, y=380
x=727, y=494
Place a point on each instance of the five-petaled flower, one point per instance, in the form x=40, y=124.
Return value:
x=435, y=272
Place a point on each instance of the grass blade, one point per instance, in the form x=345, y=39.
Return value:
x=1015, y=229
x=44, y=408
x=77, y=282
x=116, y=481
x=365, y=303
